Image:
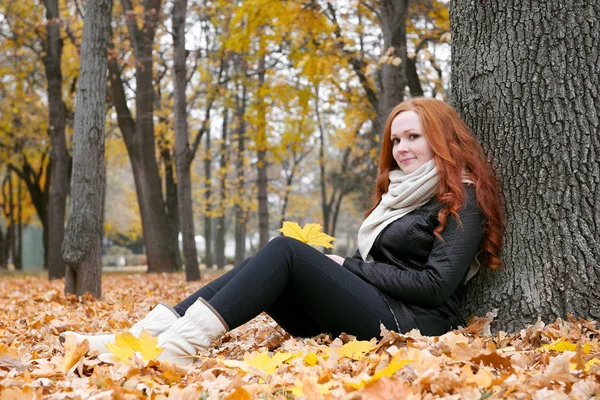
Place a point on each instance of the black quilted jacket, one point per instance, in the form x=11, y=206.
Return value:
x=421, y=277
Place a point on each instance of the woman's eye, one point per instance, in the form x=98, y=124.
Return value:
x=414, y=136
x=395, y=141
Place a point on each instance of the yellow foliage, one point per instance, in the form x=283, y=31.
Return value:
x=126, y=345
x=395, y=364
x=356, y=349
x=311, y=359
x=264, y=362
x=310, y=234
x=590, y=363
x=561, y=346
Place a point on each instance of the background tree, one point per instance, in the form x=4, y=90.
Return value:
x=183, y=152
x=59, y=157
x=139, y=134
x=82, y=249
x=252, y=69
x=525, y=79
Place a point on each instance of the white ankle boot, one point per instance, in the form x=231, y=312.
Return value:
x=196, y=330
x=155, y=322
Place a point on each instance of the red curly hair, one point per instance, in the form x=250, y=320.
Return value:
x=455, y=150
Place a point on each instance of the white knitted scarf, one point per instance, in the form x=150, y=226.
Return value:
x=406, y=193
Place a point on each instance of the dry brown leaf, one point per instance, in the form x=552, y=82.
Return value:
x=73, y=352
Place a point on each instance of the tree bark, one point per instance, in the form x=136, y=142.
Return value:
x=18, y=249
x=10, y=231
x=140, y=141
x=208, y=256
x=183, y=155
x=59, y=162
x=525, y=79
x=412, y=77
x=3, y=261
x=221, y=228
x=82, y=249
x=172, y=208
x=393, y=14
x=240, y=214
x=261, y=153
x=5, y=239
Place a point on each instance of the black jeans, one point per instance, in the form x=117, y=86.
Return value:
x=302, y=289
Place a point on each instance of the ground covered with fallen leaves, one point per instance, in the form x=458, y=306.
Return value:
x=259, y=360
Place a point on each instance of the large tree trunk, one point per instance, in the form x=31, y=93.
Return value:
x=221, y=228
x=82, y=249
x=525, y=79
x=139, y=139
x=59, y=184
x=183, y=154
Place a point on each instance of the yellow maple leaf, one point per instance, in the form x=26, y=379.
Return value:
x=310, y=234
x=355, y=349
x=126, y=345
x=311, y=359
x=396, y=363
x=562, y=345
x=264, y=362
x=588, y=365
x=148, y=346
x=73, y=352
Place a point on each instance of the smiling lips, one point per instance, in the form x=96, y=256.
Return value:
x=408, y=159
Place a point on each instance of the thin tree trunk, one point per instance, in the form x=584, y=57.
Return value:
x=286, y=195
x=525, y=79
x=38, y=193
x=261, y=152
x=171, y=204
x=59, y=184
x=140, y=141
x=82, y=248
x=18, y=253
x=240, y=214
x=10, y=231
x=183, y=154
x=221, y=228
x=5, y=248
x=208, y=256
x=412, y=77
x=325, y=208
x=3, y=244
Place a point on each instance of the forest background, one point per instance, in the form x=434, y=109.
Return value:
x=224, y=119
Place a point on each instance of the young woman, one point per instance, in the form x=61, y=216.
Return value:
x=436, y=209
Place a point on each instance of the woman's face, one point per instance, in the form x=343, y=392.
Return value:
x=410, y=148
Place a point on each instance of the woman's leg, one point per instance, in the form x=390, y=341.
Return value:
x=210, y=289
x=287, y=272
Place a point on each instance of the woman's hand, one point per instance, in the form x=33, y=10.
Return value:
x=337, y=259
